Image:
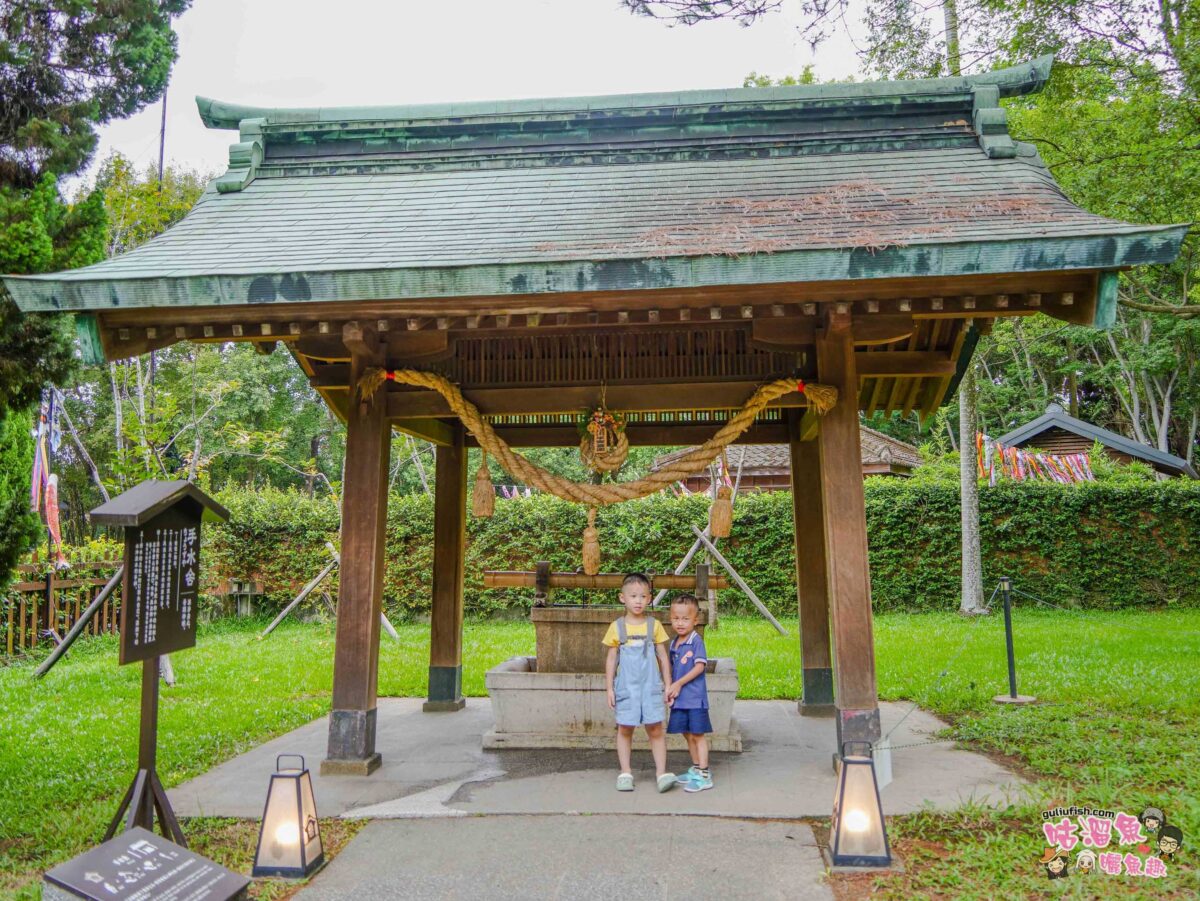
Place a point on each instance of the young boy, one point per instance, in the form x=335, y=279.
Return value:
x=636, y=672
x=688, y=692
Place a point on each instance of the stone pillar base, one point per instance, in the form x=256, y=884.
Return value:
x=817, y=692
x=857, y=725
x=445, y=689
x=351, y=743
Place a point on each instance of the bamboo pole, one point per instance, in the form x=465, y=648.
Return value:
x=521, y=579
x=687, y=558
x=741, y=583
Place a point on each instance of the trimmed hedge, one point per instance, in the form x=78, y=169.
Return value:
x=1091, y=545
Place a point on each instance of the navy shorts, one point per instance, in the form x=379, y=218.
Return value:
x=693, y=721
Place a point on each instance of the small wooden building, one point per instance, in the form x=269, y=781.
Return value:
x=768, y=467
x=1057, y=432
x=665, y=252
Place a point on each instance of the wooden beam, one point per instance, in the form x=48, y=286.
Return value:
x=816, y=666
x=639, y=434
x=449, y=548
x=436, y=431
x=628, y=398
x=523, y=579
x=844, y=512
x=795, y=334
x=909, y=364
x=360, y=592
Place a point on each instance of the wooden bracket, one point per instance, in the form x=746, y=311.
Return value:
x=363, y=342
x=838, y=319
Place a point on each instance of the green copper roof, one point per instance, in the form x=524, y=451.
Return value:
x=745, y=186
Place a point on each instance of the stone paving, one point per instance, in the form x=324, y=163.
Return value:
x=451, y=820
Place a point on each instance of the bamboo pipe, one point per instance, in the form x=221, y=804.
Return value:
x=520, y=579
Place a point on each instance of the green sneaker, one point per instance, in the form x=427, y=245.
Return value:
x=685, y=778
x=700, y=782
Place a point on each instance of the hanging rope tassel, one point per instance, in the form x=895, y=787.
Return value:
x=483, y=497
x=591, y=545
x=720, y=514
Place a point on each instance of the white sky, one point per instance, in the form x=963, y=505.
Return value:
x=364, y=52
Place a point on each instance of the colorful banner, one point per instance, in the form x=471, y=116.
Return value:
x=995, y=461
x=43, y=485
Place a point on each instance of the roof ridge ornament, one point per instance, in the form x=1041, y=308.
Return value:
x=244, y=157
x=990, y=121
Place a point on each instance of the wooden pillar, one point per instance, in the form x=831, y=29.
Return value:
x=360, y=591
x=849, y=580
x=449, y=547
x=812, y=588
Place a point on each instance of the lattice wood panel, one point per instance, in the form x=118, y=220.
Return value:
x=666, y=355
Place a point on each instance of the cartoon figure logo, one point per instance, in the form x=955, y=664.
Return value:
x=1055, y=862
x=1109, y=842
x=1170, y=840
x=1153, y=819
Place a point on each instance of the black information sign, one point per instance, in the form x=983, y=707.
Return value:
x=162, y=582
x=138, y=865
x=160, y=585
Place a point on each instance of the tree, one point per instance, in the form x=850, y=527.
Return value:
x=68, y=66
x=18, y=527
x=65, y=67
x=689, y=12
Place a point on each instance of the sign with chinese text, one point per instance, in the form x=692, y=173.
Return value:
x=138, y=865
x=1112, y=843
x=162, y=584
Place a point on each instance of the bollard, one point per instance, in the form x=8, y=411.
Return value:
x=1012, y=697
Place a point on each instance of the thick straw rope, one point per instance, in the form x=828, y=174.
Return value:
x=821, y=399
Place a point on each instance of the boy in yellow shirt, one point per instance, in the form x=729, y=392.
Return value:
x=636, y=673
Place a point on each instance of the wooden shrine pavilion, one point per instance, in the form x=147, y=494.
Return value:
x=664, y=253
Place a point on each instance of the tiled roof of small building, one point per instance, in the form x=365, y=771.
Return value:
x=877, y=448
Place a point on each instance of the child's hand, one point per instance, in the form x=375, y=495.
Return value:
x=672, y=691
x=612, y=700
x=668, y=698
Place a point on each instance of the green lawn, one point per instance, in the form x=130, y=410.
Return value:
x=1119, y=728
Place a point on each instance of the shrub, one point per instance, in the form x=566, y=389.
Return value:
x=1094, y=545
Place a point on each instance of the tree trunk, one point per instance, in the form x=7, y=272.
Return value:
x=953, y=53
x=972, y=566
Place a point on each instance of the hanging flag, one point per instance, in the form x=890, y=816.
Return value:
x=41, y=459
x=996, y=461
x=52, y=524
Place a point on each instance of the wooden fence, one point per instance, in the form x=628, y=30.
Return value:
x=40, y=608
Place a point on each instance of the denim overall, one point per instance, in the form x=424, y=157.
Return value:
x=638, y=687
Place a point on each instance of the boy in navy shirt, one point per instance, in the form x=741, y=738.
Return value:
x=688, y=693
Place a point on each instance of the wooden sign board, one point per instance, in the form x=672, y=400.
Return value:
x=161, y=584
x=138, y=865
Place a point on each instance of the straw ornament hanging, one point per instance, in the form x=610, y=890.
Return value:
x=603, y=446
x=483, y=496
x=591, y=545
x=720, y=514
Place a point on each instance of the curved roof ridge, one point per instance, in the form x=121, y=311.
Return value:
x=1013, y=81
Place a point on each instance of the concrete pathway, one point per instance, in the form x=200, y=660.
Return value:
x=433, y=766
x=576, y=857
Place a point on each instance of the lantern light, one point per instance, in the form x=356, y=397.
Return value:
x=858, y=837
x=289, y=840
